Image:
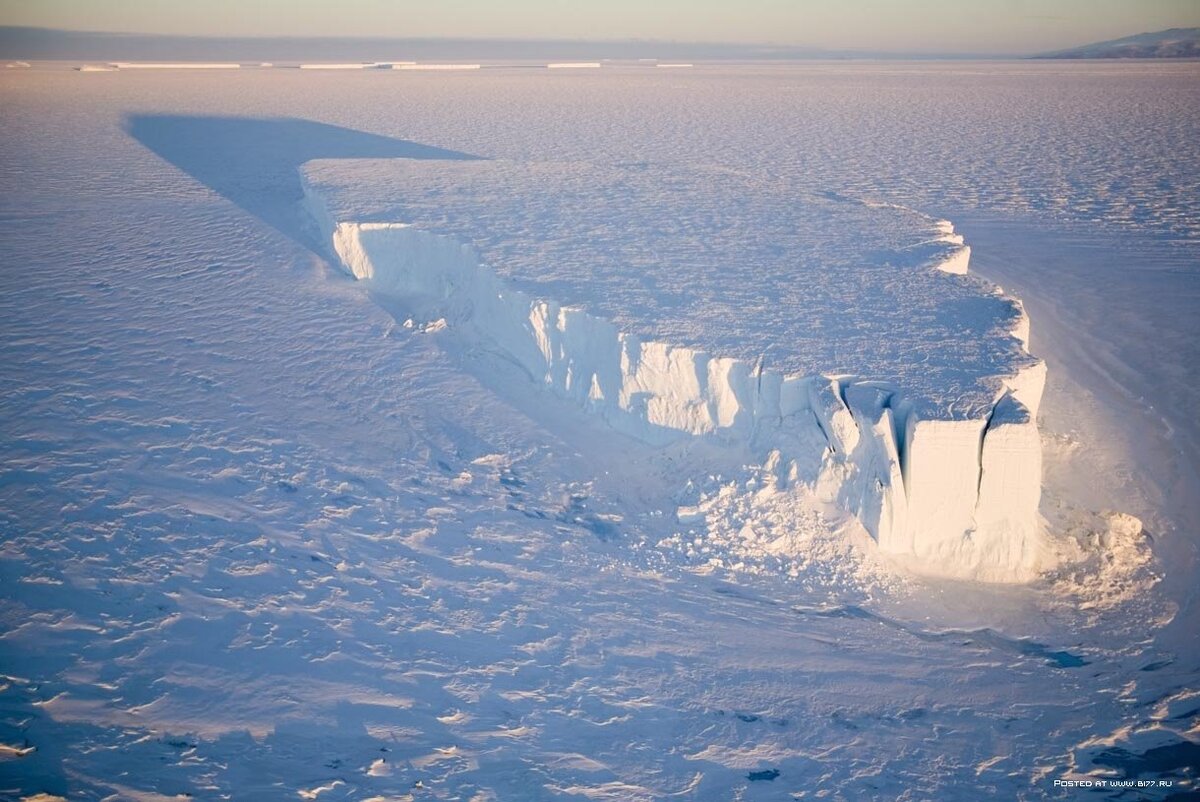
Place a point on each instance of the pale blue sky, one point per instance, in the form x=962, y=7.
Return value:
x=965, y=26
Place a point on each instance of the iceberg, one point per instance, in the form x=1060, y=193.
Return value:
x=356, y=65
x=948, y=488
x=174, y=65
x=415, y=66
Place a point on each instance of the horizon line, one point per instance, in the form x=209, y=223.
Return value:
x=815, y=50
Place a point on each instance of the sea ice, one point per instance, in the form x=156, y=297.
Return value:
x=262, y=538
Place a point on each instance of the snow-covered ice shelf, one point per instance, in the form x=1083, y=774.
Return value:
x=843, y=341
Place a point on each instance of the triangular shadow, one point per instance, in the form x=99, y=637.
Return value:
x=255, y=163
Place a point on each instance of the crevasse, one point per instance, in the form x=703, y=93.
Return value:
x=949, y=497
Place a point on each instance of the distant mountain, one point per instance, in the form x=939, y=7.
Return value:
x=1171, y=43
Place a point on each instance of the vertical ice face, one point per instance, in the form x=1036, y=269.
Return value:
x=941, y=470
x=954, y=496
x=1008, y=530
x=959, y=258
x=876, y=495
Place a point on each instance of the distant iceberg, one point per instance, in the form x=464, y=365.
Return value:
x=436, y=66
x=174, y=65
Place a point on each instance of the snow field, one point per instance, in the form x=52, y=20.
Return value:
x=264, y=540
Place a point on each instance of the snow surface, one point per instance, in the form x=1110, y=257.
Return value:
x=269, y=536
x=742, y=266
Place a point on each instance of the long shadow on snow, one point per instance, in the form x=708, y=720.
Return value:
x=255, y=163
x=986, y=637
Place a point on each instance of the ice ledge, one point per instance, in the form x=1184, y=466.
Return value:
x=949, y=497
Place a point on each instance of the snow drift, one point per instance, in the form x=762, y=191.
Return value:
x=948, y=497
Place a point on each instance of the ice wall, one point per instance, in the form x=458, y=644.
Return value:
x=950, y=497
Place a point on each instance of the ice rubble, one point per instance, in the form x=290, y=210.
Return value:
x=955, y=497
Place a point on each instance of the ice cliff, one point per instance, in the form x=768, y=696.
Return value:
x=948, y=491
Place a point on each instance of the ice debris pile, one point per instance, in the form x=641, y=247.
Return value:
x=949, y=484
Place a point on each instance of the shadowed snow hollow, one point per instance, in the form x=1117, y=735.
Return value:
x=841, y=341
